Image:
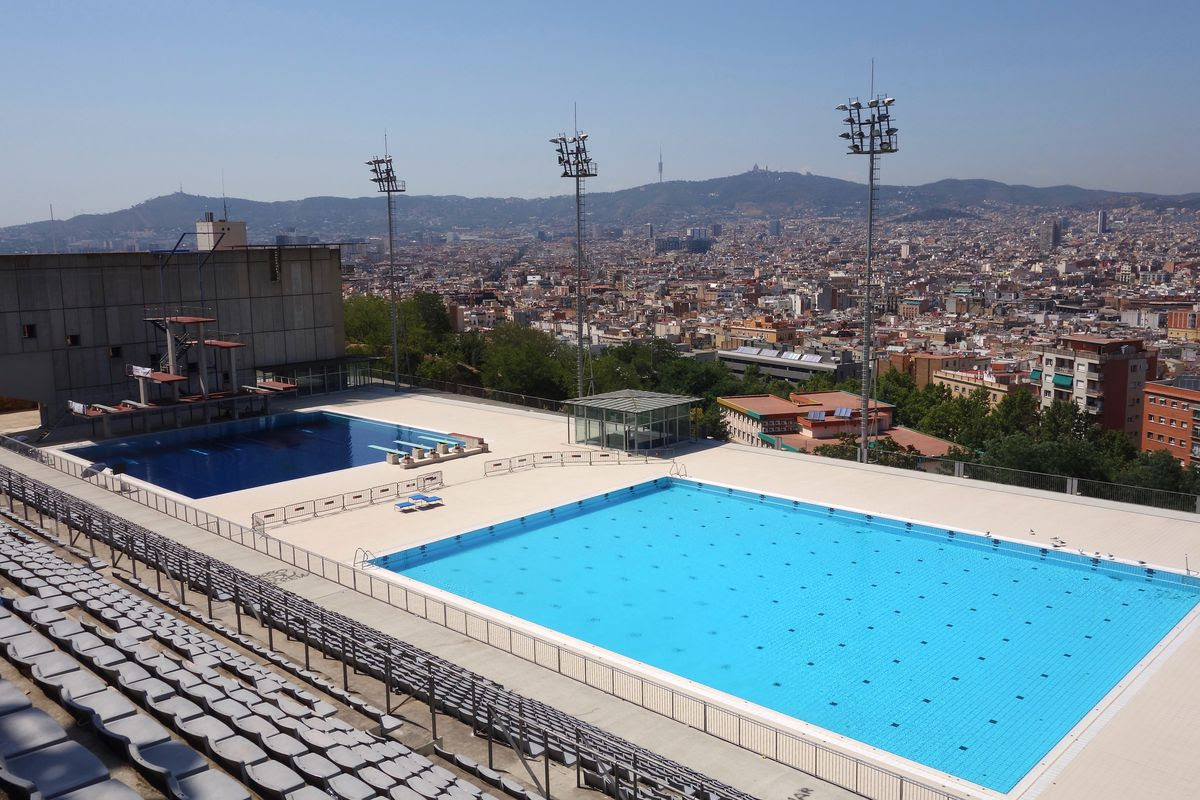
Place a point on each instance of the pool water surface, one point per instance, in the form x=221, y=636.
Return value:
x=963, y=653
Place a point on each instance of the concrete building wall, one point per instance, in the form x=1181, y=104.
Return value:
x=1171, y=419
x=69, y=324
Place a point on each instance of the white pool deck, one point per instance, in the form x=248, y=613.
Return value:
x=1141, y=741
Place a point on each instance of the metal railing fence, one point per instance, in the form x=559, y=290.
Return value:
x=1048, y=482
x=792, y=749
x=568, y=458
x=346, y=501
x=405, y=668
x=384, y=377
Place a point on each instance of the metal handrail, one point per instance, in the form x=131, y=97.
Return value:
x=562, y=458
x=792, y=749
x=262, y=599
x=346, y=501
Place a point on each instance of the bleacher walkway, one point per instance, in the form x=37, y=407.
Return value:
x=725, y=763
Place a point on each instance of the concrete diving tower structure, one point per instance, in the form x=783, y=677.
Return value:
x=176, y=327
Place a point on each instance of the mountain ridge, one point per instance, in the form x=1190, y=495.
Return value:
x=755, y=194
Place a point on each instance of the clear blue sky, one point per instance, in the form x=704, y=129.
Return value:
x=105, y=104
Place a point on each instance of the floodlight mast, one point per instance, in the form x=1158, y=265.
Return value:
x=576, y=163
x=870, y=134
x=384, y=178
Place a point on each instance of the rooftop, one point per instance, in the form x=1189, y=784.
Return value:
x=833, y=400
x=760, y=405
x=632, y=400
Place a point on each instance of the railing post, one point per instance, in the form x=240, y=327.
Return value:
x=387, y=680
x=432, y=704
x=345, y=668
x=306, y=664
x=491, y=763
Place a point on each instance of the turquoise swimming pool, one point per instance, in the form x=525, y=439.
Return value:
x=963, y=653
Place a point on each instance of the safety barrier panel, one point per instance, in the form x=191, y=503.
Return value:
x=347, y=501
x=787, y=747
x=500, y=466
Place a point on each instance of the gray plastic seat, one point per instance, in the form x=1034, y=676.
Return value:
x=307, y=793
x=12, y=698
x=229, y=710
x=11, y=627
x=238, y=750
x=134, y=731
x=111, y=789
x=376, y=778
x=349, y=787
x=64, y=629
x=206, y=785
x=402, y=792
x=106, y=706
x=315, y=767
x=284, y=746
x=205, y=731
x=23, y=649
x=423, y=787
x=175, y=708
x=52, y=665
x=169, y=758
x=256, y=727
x=399, y=768
x=79, y=683
x=346, y=758
x=272, y=779
x=57, y=768
x=26, y=730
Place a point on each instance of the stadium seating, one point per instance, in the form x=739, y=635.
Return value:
x=263, y=728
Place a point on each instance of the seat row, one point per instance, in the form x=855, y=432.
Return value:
x=533, y=725
x=279, y=739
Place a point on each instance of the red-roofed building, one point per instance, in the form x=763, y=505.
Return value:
x=749, y=415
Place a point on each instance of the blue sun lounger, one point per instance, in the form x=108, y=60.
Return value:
x=418, y=501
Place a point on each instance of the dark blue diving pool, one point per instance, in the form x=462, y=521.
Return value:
x=230, y=456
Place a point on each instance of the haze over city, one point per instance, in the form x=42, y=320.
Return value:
x=118, y=103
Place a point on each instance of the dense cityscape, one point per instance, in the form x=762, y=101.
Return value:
x=524, y=402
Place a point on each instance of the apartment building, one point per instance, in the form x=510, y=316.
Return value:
x=1171, y=418
x=1104, y=377
x=998, y=384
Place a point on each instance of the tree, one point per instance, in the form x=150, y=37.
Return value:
x=963, y=420
x=1159, y=470
x=367, y=322
x=1017, y=412
x=708, y=423
x=525, y=361
x=1062, y=421
x=899, y=389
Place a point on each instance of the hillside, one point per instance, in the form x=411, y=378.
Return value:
x=756, y=194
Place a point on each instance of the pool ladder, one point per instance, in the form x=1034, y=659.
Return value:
x=678, y=470
x=363, y=558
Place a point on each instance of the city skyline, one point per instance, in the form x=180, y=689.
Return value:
x=288, y=103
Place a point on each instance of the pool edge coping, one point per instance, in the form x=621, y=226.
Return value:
x=853, y=748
